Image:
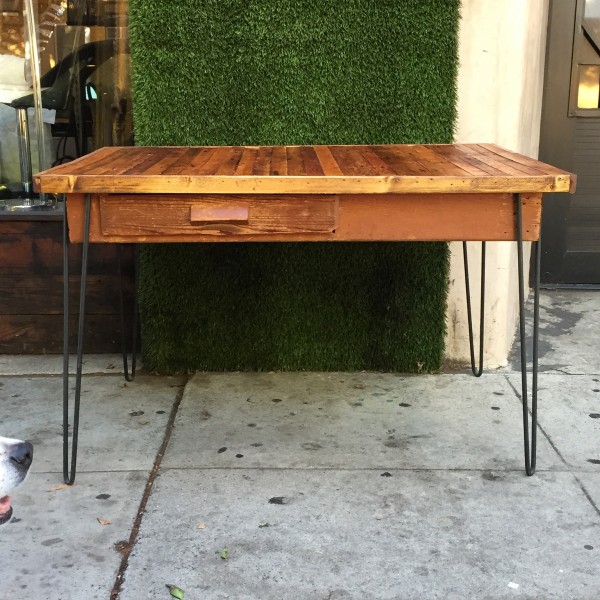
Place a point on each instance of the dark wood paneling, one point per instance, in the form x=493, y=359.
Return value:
x=583, y=224
x=31, y=289
x=42, y=334
x=28, y=293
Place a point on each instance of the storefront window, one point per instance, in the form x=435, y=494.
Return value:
x=585, y=74
x=588, y=92
x=64, y=87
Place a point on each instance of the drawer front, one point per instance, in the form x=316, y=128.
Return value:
x=216, y=215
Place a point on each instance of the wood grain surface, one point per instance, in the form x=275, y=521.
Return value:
x=379, y=169
x=403, y=192
x=358, y=217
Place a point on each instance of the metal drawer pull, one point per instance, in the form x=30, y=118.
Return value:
x=203, y=215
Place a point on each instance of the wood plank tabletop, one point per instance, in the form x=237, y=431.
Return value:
x=375, y=169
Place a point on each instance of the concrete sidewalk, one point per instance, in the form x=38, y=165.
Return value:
x=319, y=486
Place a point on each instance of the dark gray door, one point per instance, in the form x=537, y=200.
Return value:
x=570, y=139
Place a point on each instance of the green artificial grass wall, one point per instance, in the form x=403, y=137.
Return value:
x=260, y=72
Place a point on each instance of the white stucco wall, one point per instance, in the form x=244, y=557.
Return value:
x=500, y=82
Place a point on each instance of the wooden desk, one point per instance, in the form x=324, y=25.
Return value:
x=311, y=193
x=462, y=192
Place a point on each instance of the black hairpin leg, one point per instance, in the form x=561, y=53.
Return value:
x=477, y=371
x=129, y=376
x=70, y=458
x=530, y=446
x=69, y=471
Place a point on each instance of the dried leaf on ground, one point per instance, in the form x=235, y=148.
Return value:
x=58, y=487
x=175, y=591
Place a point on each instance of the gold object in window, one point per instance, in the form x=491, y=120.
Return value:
x=588, y=93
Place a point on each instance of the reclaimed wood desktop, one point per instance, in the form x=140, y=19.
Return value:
x=451, y=192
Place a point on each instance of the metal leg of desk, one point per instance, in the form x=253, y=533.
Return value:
x=129, y=376
x=530, y=443
x=69, y=471
x=529, y=437
x=477, y=371
x=70, y=458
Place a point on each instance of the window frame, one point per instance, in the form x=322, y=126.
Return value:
x=578, y=42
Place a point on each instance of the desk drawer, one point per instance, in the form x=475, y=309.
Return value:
x=216, y=215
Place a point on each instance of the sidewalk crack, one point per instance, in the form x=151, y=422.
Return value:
x=125, y=547
x=587, y=495
x=552, y=444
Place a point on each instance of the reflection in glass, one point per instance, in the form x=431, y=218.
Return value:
x=592, y=9
x=588, y=93
x=73, y=87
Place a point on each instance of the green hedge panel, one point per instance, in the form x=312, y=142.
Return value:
x=208, y=72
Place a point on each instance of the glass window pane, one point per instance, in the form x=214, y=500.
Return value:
x=592, y=9
x=588, y=93
x=82, y=74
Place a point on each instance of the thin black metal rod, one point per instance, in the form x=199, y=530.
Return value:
x=69, y=472
x=65, y=241
x=477, y=371
x=129, y=376
x=530, y=446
